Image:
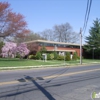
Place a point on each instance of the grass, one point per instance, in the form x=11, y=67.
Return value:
x=4, y=62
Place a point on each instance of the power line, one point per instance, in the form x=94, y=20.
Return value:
x=86, y=14
x=89, y=8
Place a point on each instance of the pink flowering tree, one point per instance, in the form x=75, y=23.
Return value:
x=11, y=49
x=8, y=50
x=22, y=50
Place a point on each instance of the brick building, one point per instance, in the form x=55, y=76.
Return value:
x=60, y=47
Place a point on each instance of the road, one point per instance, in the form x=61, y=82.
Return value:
x=63, y=83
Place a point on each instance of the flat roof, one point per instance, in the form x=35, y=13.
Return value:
x=62, y=50
x=52, y=42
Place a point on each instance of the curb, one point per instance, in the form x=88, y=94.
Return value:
x=47, y=66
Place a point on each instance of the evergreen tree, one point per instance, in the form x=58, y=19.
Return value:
x=75, y=56
x=67, y=58
x=38, y=55
x=93, y=40
x=43, y=49
x=55, y=55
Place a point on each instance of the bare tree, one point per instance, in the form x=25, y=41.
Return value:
x=64, y=33
x=29, y=37
x=47, y=34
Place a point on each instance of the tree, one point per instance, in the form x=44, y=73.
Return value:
x=22, y=50
x=38, y=55
x=48, y=34
x=55, y=55
x=75, y=56
x=33, y=47
x=93, y=40
x=9, y=50
x=48, y=57
x=11, y=23
x=67, y=58
x=1, y=45
x=64, y=33
x=28, y=37
x=43, y=49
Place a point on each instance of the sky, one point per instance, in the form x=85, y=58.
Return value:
x=44, y=14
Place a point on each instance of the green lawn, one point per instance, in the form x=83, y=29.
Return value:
x=4, y=62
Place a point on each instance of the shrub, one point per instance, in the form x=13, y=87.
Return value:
x=78, y=57
x=51, y=56
x=55, y=55
x=74, y=56
x=60, y=57
x=48, y=57
x=67, y=57
x=38, y=55
x=18, y=55
x=43, y=49
x=34, y=57
x=30, y=56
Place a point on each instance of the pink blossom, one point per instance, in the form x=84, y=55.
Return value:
x=10, y=49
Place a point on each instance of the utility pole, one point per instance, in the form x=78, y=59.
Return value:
x=80, y=46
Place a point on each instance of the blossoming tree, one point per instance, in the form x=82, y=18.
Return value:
x=11, y=49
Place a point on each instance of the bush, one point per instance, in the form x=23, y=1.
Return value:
x=67, y=57
x=18, y=55
x=74, y=56
x=30, y=56
x=38, y=55
x=78, y=57
x=55, y=55
x=34, y=57
x=48, y=57
x=51, y=56
x=60, y=57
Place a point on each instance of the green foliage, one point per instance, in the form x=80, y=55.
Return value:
x=93, y=40
x=18, y=55
x=38, y=55
x=43, y=49
x=78, y=57
x=67, y=57
x=75, y=56
x=60, y=57
x=55, y=55
x=1, y=45
x=34, y=57
x=52, y=56
x=30, y=56
x=48, y=57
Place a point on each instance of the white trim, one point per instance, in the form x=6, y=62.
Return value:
x=53, y=42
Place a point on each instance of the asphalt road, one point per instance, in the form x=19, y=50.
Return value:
x=65, y=83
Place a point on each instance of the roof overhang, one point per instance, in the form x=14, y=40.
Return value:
x=52, y=42
x=63, y=50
